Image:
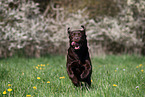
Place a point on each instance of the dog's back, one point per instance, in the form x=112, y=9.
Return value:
x=79, y=66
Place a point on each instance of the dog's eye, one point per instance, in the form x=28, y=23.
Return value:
x=79, y=34
x=74, y=34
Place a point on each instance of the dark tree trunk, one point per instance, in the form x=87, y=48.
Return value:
x=143, y=48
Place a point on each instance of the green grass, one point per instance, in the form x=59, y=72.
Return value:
x=22, y=74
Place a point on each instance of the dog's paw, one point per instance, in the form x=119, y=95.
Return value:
x=82, y=76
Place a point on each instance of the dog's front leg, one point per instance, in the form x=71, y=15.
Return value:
x=72, y=76
x=70, y=72
x=87, y=70
x=76, y=82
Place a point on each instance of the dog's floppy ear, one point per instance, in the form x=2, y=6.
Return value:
x=83, y=28
x=68, y=30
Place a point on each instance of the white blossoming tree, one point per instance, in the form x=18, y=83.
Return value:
x=22, y=26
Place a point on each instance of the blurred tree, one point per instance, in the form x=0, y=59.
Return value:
x=94, y=7
x=43, y=4
x=23, y=25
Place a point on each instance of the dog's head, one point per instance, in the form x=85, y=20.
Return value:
x=77, y=37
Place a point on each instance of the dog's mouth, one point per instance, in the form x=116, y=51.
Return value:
x=75, y=45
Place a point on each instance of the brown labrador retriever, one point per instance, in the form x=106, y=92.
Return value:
x=78, y=64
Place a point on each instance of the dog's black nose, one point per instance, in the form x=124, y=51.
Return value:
x=76, y=39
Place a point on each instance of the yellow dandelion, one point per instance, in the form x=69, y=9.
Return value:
x=40, y=68
x=4, y=92
x=36, y=67
x=115, y=70
x=41, y=64
x=28, y=95
x=48, y=81
x=9, y=85
x=9, y=89
x=140, y=65
x=142, y=70
x=38, y=77
x=114, y=85
x=136, y=66
x=61, y=77
x=34, y=87
x=91, y=80
x=47, y=64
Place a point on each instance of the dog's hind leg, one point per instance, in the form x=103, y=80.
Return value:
x=81, y=86
x=88, y=83
x=87, y=86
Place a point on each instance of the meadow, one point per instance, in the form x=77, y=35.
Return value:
x=113, y=76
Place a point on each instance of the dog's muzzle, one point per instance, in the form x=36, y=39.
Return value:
x=75, y=45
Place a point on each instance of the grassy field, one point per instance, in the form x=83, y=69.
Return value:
x=113, y=76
